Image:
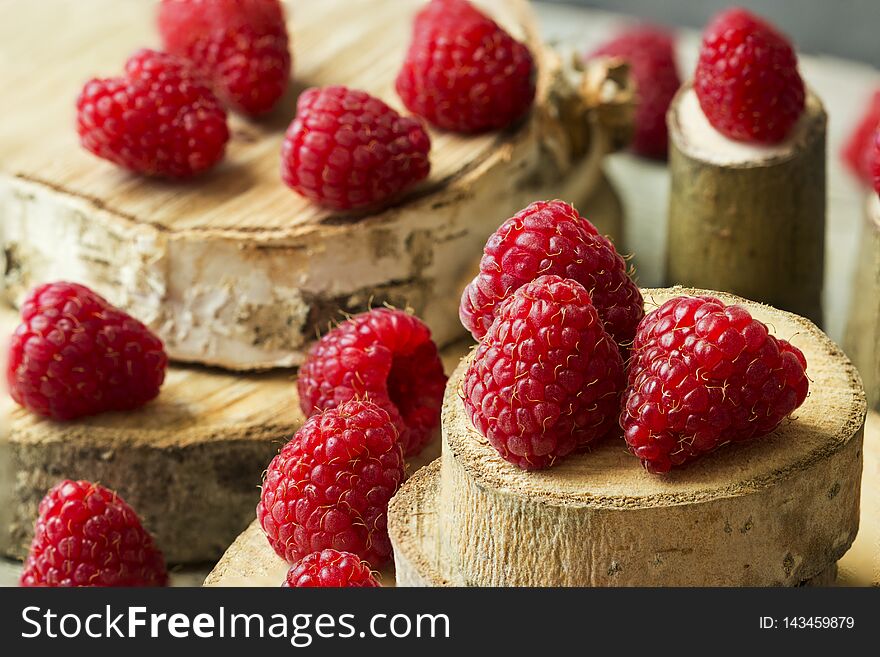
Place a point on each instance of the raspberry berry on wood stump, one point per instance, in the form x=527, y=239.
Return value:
x=747, y=79
x=463, y=72
x=86, y=535
x=159, y=119
x=330, y=569
x=347, y=150
x=329, y=486
x=703, y=374
x=241, y=46
x=383, y=355
x=74, y=355
x=546, y=378
x=551, y=237
x=650, y=52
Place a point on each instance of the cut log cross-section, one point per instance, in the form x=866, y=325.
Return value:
x=779, y=510
x=233, y=269
x=862, y=341
x=745, y=218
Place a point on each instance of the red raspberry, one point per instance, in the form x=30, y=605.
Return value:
x=552, y=238
x=86, y=535
x=858, y=151
x=703, y=374
x=463, y=72
x=159, y=119
x=329, y=487
x=875, y=164
x=346, y=149
x=747, y=79
x=547, y=378
x=74, y=354
x=240, y=45
x=330, y=569
x=650, y=52
x=384, y=355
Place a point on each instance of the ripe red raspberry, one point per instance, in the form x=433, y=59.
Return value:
x=703, y=374
x=547, y=378
x=384, y=355
x=86, y=535
x=463, y=72
x=329, y=487
x=747, y=79
x=74, y=354
x=159, y=119
x=330, y=569
x=859, y=149
x=875, y=164
x=552, y=238
x=650, y=52
x=346, y=149
x=240, y=45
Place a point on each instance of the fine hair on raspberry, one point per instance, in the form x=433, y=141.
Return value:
x=552, y=238
x=546, y=378
x=329, y=487
x=86, y=535
x=387, y=356
x=702, y=374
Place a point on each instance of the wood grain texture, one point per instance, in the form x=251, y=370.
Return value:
x=755, y=228
x=862, y=341
x=233, y=269
x=775, y=511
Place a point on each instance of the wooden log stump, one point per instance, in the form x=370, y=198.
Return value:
x=233, y=269
x=779, y=510
x=862, y=341
x=745, y=218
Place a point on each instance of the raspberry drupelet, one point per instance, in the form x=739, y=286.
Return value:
x=383, y=355
x=74, y=355
x=347, y=150
x=747, y=79
x=86, y=535
x=551, y=237
x=546, y=378
x=159, y=119
x=329, y=486
x=703, y=374
x=463, y=72
x=330, y=569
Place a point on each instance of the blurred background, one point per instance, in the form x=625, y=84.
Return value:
x=847, y=29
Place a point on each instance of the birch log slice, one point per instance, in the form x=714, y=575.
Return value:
x=775, y=511
x=233, y=268
x=745, y=218
x=862, y=341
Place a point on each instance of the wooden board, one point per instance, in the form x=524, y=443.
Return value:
x=234, y=269
x=774, y=511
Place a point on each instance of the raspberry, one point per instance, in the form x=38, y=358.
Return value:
x=650, y=52
x=74, y=354
x=159, y=119
x=875, y=164
x=547, y=378
x=86, y=535
x=552, y=238
x=384, y=355
x=858, y=151
x=747, y=79
x=346, y=149
x=703, y=374
x=329, y=487
x=463, y=72
x=240, y=45
x=330, y=569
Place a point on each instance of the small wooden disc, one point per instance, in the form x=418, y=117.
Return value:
x=774, y=511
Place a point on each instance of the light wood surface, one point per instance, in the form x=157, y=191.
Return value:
x=777, y=510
